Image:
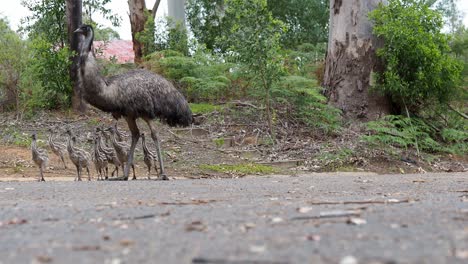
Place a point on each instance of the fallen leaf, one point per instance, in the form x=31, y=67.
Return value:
x=257, y=248
x=304, y=210
x=313, y=237
x=349, y=260
x=44, y=259
x=195, y=226
x=126, y=242
x=356, y=221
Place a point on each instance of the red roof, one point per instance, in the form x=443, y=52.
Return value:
x=122, y=50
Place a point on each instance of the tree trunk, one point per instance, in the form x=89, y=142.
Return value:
x=137, y=21
x=155, y=8
x=176, y=10
x=351, y=59
x=74, y=20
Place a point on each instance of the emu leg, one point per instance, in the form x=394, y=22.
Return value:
x=155, y=137
x=89, y=175
x=42, y=175
x=63, y=160
x=134, y=176
x=135, y=136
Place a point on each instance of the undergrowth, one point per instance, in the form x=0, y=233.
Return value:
x=246, y=168
x=404, y=132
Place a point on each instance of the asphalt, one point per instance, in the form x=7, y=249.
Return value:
x=315, y=218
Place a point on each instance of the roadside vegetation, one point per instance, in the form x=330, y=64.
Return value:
x=248, y=61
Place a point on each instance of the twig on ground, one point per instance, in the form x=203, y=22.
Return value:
x=389, y=201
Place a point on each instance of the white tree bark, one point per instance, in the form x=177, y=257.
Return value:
x=351, y=59
x=176, y=10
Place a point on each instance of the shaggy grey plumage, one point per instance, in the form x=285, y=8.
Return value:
x=39, y=156
x=58, y=149
x=134, y=94
x=79, y=157
x=148, y=156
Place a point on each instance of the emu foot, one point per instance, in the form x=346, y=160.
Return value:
x=118, y=179
x=163, y=177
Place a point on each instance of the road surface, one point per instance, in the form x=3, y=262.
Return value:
x=315, y=218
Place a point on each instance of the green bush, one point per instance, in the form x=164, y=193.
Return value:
x=419, y=71
x=302, y=99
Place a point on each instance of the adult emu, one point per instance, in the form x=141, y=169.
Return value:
x=132, y=95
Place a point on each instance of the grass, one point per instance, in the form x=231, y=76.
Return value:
x=245, y=168
x=204, y=108
x=219, y=142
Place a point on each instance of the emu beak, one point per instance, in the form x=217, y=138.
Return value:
x=78, y=30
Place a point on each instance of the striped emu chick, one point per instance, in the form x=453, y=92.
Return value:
x=99, y=159
x=150, y=158
x=58, y=149
x=120, y=135
x=80, y=158
x=110, y=153
x=39, y=156
x=121, y=148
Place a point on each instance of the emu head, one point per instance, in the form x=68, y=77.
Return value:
x=87, y=32
x=34, y=136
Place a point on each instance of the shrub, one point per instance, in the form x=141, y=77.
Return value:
x=419, y=72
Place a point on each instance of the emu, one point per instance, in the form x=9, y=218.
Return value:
x=58, y=149
x=121, y=149
x=132, y=95
x=111, y=156
x=79, y=157
x=39, y=156
x=99, y=158
x=149, y=156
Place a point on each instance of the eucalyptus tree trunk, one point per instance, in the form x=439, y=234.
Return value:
x=176, y=10
x=351, y=60
x=74, y=19
x=138, y=19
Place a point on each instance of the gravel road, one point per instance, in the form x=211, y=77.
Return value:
x=314, y=218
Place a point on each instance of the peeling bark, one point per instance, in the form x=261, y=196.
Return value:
x=351, y=59
x=137, y=21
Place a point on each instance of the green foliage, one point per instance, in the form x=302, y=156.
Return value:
x=147, y=36
x=303, y=60
x=459, y=43
x=302, y=99
x=204, y=108
x=13, y=135
x=419, y=72
x=49, y=66
x=105, y=33
x=400, y=131
x=306, y=20
x=206, y=20
x=171, y=35
x=13, y=58
x=203, y=77
x=254, y=40
x=248, y=168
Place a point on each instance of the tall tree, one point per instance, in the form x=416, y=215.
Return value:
x=74, y=20
x=138, y=18
x=176, y=10
x=351, y=60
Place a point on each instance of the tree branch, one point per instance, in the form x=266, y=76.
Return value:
x=155, y=8
x=458, y=112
